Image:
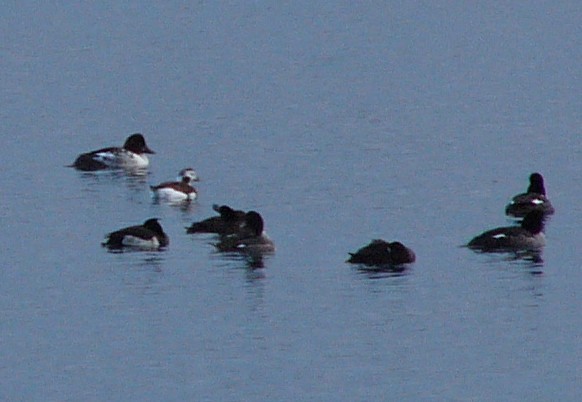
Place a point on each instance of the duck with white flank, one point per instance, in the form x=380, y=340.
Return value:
x=131, y=156
x=228, y=222
x=177, y=191
x=149, y=236
x=528, y=236
x=382, y=253
x=533, y=200
x=251, y=238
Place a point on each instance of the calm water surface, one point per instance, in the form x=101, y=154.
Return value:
x=339, y=123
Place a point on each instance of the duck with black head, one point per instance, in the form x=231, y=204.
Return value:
x=148, y=236
x=528, y=236
x=534, y=199
x=133, y=155
x=251, y=238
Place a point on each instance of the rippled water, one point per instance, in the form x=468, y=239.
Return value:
x=340, y=123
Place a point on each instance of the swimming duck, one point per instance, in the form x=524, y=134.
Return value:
x=148, y=236
x=176, y=191
x=534, y=199
x=228, y=222
x=528, y=236
x=380, y=252
x=131, y=156
x=251, y=237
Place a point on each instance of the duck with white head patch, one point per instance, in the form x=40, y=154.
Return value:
x=188, y=172
x=534, y=199
x=528, y=236
x=177, y=191
x=149, y=236
x=131, y=156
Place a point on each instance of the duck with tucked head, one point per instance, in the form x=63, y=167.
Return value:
x=131, y=156
x=228, y=222
x=382, y=253
x=528, y=236
x=534, y=199
x=149, y=236
x=177, y=191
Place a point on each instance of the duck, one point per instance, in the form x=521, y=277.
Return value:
x=251, y=238
x=228, y=222
x=177, y=191
x=148, y=236
x=188, y=172
x=528, y=236
x=131, y=156
x=534, y=199
x=383, y=253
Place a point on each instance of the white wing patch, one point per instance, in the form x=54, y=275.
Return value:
x=499, y=236
x=107, y=158
x=537, y=201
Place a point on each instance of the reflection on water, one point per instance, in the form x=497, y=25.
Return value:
x=144, y=258
x=106, y=183
x=250, y=262
x=141, y=271
x=185, y=206
x=531, y=259
x=109, y=174
x=254, y=274
x=255, y=288
x=152, y=259
x=132, y=178
x=384, y=271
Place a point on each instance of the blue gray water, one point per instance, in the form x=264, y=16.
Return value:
x=340, y=123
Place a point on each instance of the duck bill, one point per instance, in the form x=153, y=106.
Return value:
x=146, y=150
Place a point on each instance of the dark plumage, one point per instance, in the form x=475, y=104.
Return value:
x=150, y=235
x=88, y=163
x=528, y=236
x=534, y=199
x=380, y=252
x=250, y=238
x=228, y=222
x=114, y=157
